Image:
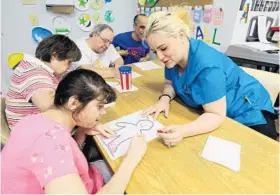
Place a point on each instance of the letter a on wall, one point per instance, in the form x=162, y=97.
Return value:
x=199, y=33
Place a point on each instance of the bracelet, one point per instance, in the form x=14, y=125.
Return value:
x=164, y=94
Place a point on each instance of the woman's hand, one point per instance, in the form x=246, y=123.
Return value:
x=172, y=135
x=137, y=149
x=161, y=106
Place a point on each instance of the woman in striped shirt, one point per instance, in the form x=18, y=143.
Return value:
x=35, y=79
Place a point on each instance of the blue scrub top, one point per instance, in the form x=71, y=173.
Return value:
x=137, y=49
x=211, y=75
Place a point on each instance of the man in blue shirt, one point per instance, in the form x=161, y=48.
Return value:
x=131, y=45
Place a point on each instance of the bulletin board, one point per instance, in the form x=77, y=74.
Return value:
x=168, y=3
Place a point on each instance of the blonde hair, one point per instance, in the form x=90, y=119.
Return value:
x=169, y=23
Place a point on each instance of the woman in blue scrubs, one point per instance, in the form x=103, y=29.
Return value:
x=203, y=78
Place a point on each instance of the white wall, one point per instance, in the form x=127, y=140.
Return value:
x=227, y=28
x=16, y=27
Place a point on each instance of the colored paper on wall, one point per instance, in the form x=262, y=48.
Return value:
x=151, y=3
x=96, y=18
x=39, y=33
x=97, y=4
x=33, y=20
x=142, y=2
x=147, y=11
x=207, y=13
x=108, y=16
x=82, y=4
x=84, y=22
x=218, y=15
x=61, y=25
x=206, y=35
x=29, y=2
x=197, y=14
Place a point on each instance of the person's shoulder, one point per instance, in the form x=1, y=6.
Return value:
x=29, y=124
x=30, y=63
x=204, y=55
x=124, y=35
x=37, y=124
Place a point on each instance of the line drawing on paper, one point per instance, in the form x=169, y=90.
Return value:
x=125, y=131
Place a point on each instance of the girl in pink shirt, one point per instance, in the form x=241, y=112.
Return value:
x=49, y=160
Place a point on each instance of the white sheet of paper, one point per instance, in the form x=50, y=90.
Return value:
x=223, y=152
x=262, y=29
x=119, y=88
x=110, y=105
x=149, y=65
x=126, y=127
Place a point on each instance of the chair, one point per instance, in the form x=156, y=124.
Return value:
x=5, y=130
x=268, y=79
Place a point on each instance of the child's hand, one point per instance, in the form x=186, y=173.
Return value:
x=137, y=149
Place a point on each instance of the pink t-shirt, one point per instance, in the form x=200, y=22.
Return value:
x=42, y=152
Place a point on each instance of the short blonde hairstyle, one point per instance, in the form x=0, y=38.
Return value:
x=169, y=23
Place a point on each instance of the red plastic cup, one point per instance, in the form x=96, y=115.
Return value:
x=125, y=77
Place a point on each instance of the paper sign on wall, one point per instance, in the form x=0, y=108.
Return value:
x=96, y=18
x=29, y=2
x=97, y=4
x=84, y=22
x=142, y=2
x=197, y=14
x=218, y=17
x=207, y=13
x=33, y=20
x=61, y=25
x=108, y=16
x=82, y=4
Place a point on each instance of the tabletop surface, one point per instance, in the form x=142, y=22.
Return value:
x=181, y=169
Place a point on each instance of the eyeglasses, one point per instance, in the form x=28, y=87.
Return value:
x=105, y=41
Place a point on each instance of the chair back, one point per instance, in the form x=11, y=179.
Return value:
x=5, y=130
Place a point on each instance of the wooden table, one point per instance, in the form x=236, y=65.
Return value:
x=180, y=169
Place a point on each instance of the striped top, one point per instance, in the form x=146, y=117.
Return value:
x=30, y=76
